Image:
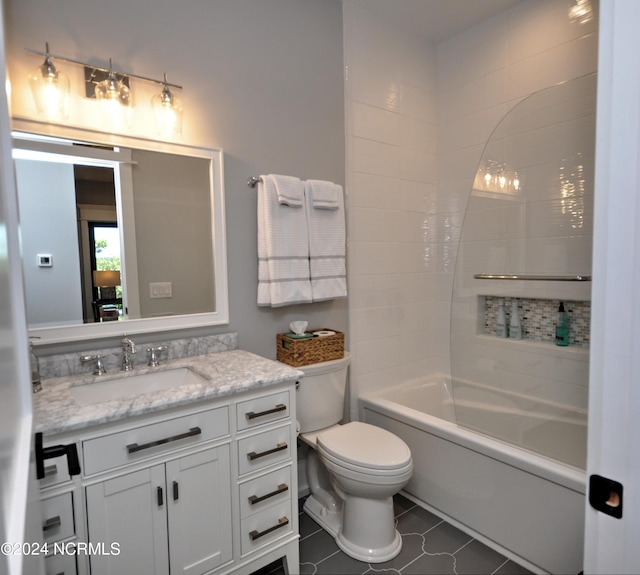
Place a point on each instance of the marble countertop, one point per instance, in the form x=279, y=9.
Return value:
x=227, y=373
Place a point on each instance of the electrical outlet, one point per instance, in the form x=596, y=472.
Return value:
x=159, y=290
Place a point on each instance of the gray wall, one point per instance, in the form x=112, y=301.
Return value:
x=263, y=79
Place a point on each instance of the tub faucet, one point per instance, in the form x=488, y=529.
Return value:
x=128, y=349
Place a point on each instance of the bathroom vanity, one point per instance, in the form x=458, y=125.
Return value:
x=195, y=474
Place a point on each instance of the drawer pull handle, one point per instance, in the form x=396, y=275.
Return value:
x=134, y=447
x=176, y=494
x=276, y=409
x=51, y=523
x=257, y=534
x=160, y=496
x=281, y=447
x=281, y=489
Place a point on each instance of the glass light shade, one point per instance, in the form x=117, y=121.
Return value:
x=50, y=89
x=168, y=112
x=115, y=100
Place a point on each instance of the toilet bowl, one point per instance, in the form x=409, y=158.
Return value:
x=354, y=470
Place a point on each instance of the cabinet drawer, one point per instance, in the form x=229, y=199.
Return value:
x=145, y=441
x=261, y=410
x=56, y=470
x=57, y=517
x=262, y=528
x=264, y=491
x=264, y=449
x=60, y=565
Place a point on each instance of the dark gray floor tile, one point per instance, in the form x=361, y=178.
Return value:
x=307, y=569
x=445, y=538
x=411, y=548
x=317, y=547
x=417, y=520
x=431, y=564
x=307, y=525
x=402, y=504
x=341, y=563
x=477, y=559
x=511, y=568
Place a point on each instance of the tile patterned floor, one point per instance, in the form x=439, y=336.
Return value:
x=429, y=546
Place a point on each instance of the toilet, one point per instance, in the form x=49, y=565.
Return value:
x=354, y=470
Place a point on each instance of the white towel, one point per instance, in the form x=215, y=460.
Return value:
x=324, y=195
x=327, y=242
x=283, y=249
x=289, y=189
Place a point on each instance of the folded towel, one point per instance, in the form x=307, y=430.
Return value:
x=327, y=243
x=283, y=249
x=324, y=195
x=290, y=190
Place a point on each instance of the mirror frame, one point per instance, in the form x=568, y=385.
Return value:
x=220, y=316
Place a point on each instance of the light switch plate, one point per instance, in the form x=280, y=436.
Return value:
x=159, y=290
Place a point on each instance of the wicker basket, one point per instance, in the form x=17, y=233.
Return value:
x=299, y=352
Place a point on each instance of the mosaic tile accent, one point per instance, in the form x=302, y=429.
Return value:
x=538, y=318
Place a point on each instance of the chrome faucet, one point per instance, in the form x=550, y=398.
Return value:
x=154, y=353
x=128, y=349
x=100, y=369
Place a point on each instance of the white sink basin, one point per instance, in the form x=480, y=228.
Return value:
x=110, y=389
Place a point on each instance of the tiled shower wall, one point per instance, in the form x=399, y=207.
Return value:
x=417, y=118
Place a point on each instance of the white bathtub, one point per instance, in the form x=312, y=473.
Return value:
x=529, y=507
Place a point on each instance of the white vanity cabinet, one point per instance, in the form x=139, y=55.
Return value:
x=207, y=488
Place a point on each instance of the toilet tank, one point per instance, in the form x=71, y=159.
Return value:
x=320, y=395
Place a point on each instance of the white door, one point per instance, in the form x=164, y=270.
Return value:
x=19, y=519
x=611, y=543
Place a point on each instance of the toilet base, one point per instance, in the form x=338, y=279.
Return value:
x=332, y=523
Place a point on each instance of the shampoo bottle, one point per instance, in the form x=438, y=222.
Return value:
x=501, y=323
x=515, y=327
x=562, y=327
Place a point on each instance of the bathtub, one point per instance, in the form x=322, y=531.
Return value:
x=527, y=506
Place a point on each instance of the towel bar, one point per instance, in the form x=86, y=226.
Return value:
x=533, y=278
x=252, y=182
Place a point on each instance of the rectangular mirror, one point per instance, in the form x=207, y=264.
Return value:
x=119, y=234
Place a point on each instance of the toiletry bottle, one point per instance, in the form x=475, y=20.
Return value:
x=501, y=323
x=515, y=327
x=562, y=327
x=36, y=384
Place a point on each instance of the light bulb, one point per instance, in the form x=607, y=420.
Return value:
x=168, y=112
x=115, y=100
x=50, y=89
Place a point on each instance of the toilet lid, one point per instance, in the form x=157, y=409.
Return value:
x=365, y=445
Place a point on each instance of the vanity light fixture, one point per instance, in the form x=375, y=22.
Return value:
x=168, y=111
x=50, y=88
x=109, y=87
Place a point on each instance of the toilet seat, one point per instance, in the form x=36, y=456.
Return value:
x=365, y=448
